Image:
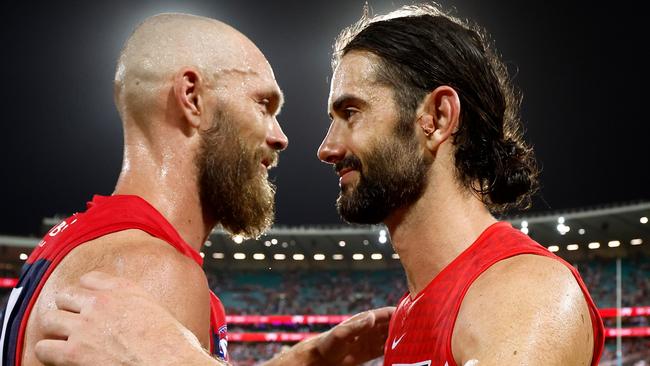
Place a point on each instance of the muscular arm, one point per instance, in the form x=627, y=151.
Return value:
x=77, y=335
x=172, y=280
x=526, y=310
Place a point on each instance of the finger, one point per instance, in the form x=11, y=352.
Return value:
x=359, y=317
x=343, y=336
x=58, y=324
x=384, y=314
x=96, y=280
x=74, y=299
x=52, y=352
x=355, y=325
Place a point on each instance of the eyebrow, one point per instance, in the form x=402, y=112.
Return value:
x=274, y=94
x=344, y=99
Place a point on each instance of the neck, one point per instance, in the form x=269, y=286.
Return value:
x=159, y=174
x=436, y=229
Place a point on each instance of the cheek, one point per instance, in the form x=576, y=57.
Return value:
x=254, y=134
x=250, y=126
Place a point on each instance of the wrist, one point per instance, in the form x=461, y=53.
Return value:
x=200, y=358
x=191, y=352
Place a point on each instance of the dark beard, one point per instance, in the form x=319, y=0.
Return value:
x=232, y=188
x=394, y=177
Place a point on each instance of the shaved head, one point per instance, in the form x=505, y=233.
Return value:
x=165, y=43
x=199, y=101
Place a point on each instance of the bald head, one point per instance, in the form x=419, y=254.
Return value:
x=166, y=43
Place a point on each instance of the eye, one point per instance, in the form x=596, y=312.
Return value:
x=264, y=104
x=349, y=112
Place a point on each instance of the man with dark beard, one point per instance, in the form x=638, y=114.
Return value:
x=198, y=102
x=425, y=137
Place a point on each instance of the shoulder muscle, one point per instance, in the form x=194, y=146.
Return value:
x=176, y=281
x=525, y=310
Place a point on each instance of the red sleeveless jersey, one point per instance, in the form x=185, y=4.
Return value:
x=104, y=215
x=420, y=330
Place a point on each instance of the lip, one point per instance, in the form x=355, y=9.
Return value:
x=344, y=171
x=346, y=176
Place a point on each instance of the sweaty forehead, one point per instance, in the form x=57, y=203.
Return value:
x=258, y=76
x=355, y=74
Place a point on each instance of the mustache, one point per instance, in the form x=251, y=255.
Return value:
x=350, y=162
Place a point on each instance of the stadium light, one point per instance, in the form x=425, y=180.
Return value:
x=23, y=256
x=563, y=229
x=644, y=220
x=218, y=255
x=594, y=245
x=376, y=256
x=337, y=257
x=238, y=239
x=259, y=256
x=636, y=241
x=279, y=257
x=342, y=243
x=614, y=244
x=553, y=248
x=572, y=247
x=298, y=257
x=357, y=256
x=319, y=257
x=239, y=256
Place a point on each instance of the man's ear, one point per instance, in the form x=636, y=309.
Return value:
x=439, y=120
x=188, y=88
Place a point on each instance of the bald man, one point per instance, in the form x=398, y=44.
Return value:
x=198, y=103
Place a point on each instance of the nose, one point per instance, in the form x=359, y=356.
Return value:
x=276, y=138
x=332, y=149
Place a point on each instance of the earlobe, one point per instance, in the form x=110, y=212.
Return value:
x=187, y=92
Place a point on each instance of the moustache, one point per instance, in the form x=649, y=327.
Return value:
x=348, y=162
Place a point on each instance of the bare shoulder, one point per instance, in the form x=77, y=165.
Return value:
x=525, y=310
x=149, y=261
x=176, y=281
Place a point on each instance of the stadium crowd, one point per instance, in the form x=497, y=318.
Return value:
x=349, y=292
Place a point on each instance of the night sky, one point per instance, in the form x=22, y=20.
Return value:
x=580, y=67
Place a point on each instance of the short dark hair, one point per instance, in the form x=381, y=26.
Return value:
x=419, y=48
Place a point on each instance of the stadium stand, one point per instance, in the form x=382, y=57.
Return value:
x=295, y=282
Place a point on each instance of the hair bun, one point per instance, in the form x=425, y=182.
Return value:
x=515, y=174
